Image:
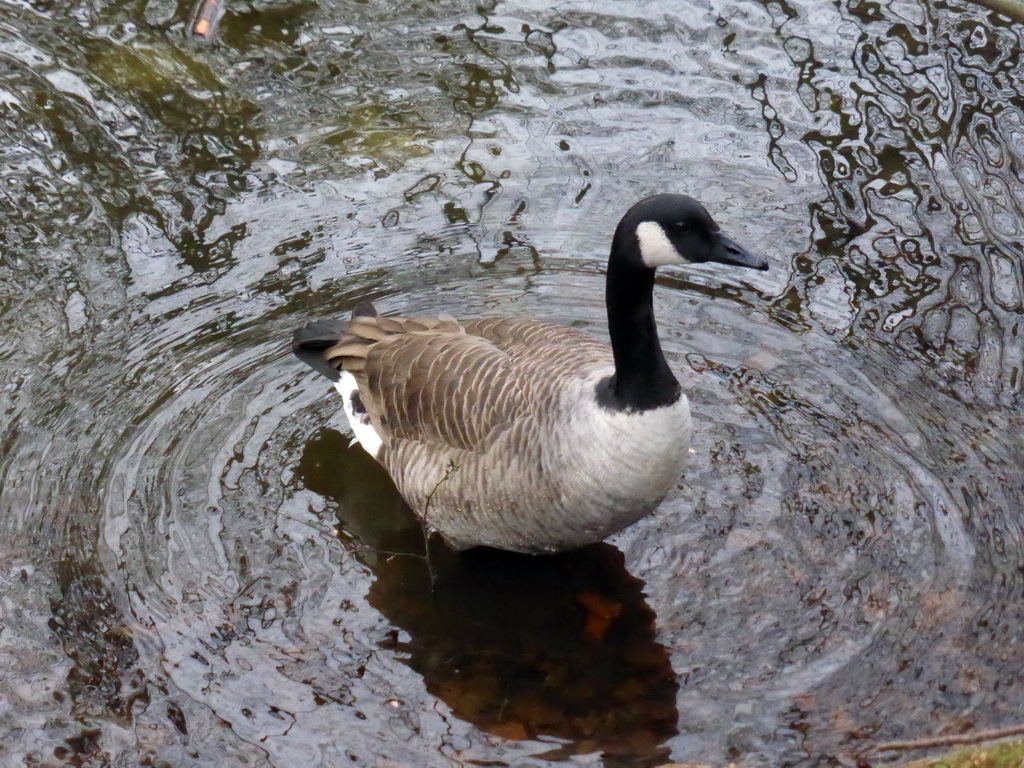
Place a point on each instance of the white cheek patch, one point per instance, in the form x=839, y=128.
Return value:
x=655, y=248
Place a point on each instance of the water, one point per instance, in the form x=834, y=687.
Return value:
x=196, y=570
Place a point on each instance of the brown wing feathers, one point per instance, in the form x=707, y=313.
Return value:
x=420, y=378
x=439, y=386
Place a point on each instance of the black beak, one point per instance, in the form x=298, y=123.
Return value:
x=728, y=251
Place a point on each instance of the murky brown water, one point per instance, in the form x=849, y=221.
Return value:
x=195, y=569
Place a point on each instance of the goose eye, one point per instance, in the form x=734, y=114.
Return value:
x=681, y=227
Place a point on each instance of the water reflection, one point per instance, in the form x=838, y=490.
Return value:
x=171, y=592
x=524, y=647
x=921, y=178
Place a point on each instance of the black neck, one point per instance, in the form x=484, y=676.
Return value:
x=642, y=377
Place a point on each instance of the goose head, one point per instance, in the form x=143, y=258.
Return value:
x=676, y=229
x=657, y=231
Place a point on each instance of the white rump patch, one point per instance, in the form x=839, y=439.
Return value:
x=363, y=430
x=655, y=247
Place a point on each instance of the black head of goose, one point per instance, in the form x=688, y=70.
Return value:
x=521, y=434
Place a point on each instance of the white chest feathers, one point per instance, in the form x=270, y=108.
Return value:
x=628, y=459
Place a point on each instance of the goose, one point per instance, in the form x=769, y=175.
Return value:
x=521, y=434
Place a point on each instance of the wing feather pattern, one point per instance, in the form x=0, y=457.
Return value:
x=436, y=381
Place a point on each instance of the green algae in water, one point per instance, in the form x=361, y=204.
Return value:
x=1001, y=754
x=169, y=84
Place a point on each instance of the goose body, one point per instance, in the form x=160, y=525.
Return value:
x=522, y=434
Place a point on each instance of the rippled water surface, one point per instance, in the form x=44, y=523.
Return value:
x=197, y=570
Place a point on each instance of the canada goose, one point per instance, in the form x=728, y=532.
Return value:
x=521, y=434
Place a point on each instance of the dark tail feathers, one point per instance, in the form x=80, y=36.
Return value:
x=364, y=309
x=310, y=341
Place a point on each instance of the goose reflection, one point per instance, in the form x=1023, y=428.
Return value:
x=521, y=646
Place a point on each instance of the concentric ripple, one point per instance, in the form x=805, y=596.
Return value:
x=284, y=584
x=197, y=569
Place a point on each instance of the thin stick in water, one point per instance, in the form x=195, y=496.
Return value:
x=952, y=740
x=206, y=18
